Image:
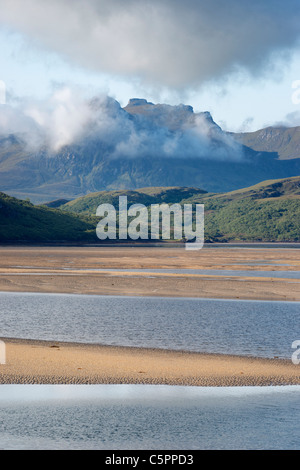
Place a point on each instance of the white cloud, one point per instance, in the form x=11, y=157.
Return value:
x=290, y=120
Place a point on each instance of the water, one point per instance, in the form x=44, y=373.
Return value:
x=254, y=245
x=148, y=417
x=209, y=272
x=249, y=328
x=117, y=417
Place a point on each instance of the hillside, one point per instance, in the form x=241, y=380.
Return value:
x=21, y=221
x=88, y=204
x=286, y=188
x=268, y=211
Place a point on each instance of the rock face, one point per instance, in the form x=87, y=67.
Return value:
x=172, y=117
x=140, y=145
x=138, y=102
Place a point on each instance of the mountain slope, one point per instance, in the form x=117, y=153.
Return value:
x=281, y=140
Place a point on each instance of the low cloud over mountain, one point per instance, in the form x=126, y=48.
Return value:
x=140, y=130
x=68, y=146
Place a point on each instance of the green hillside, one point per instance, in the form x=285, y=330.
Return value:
x=283, y=188
x=88, y=204
x=256, y=220
x=268, y=211
x=22, y=221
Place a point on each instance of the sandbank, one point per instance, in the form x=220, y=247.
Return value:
x=46, y=362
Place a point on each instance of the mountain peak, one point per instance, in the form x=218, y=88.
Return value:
x=139, y=102
x=173, y=117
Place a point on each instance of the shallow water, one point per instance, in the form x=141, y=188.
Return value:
x=209, y=272
x=148, y=417
x=253, y=328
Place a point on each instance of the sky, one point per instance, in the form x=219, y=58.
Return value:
x=240, y=60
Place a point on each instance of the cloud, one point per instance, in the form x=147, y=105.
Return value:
x=290, y=120
x=53, y=123
x=167, y=42
x=246, y=125
x=67, y=118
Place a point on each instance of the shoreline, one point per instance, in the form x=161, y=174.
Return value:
x=68, y=271
x=132, y=296
x=193, y=286
x=54, y=362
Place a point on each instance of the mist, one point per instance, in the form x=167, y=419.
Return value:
x=68, y=118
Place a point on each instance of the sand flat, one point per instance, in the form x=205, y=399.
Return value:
x=45, y=362
x=66, y=270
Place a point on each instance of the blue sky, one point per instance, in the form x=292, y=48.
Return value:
x=239, y=66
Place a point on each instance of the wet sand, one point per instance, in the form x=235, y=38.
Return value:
x=41, y=362
x=67, y=270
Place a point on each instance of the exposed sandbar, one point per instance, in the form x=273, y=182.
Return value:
x=43, y=362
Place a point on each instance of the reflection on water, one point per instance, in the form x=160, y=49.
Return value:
x=255, y=328
x=148, y=417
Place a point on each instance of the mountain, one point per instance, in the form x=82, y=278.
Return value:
x=174, y=118
x=281, y=140
x=141, y=145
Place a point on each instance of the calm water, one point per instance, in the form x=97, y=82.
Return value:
x=255, y=328
x=148, y=417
